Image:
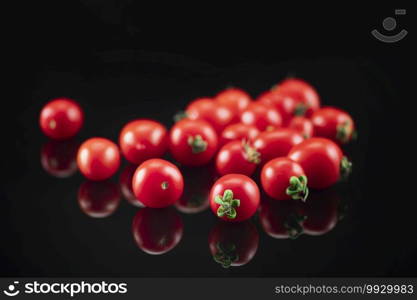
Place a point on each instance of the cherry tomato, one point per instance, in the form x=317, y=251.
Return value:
x=276, y=143
x=233, y=244
x=59, y=158
x=98, y=158
x=198, y=182
x=237, y=157
x=261, y=116
x=281, y=219
x=238, y=132
x=284, y=104
x=283, y=179
x=306, y=97
x=143, y=139
x=234, y=197
x=61, y=118
x=303, y=126
x=157, y=230
x=218, y=116
x=98, y=199
x=334, y=124
x=193, y=142
x=157, y=183
x=237, y=99
x=322, y=161
x=125, y=182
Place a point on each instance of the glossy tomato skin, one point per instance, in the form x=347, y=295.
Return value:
x=157, y=183
x=98, y=199
x=320, y=159
x=234, y=98
x=243, y=188
x=233, y=244
x=276, y=175
x=237, y=157
x=193, y=142
x=281, y=219
x=303, y=125
x=157, y=230
x=284, y=104
x=125, y=182
x=143, y=139
x=238, y=132
x=98, y=158
x=59, y=158
x=334, y=124
x=306, y=97
x=261, y=116
x=218, y=116
x=276, y=143
x=61, y=118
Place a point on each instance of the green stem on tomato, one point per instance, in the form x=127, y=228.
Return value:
x=227, y=204
x=252, y=155
x=344, y=132
x=298, y=189
x=345, y=168
x=197, y=144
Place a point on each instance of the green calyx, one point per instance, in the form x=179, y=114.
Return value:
x=300, y=109
x=179, y=116
x=227, y=204
x=345, y=168
x=294, y=227
x=298, y=189
x=252, y=155
x=344, y=132
x=197, y=144
x=225, y=254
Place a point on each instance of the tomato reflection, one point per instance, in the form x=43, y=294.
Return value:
x=233, y=244
x=126, y=185
x=198, y=182
x=98, y=199
x=157, y=230
x=58, y=158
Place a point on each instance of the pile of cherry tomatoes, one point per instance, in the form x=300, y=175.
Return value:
x=285, y=134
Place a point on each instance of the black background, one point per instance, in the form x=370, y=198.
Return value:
x=122, y=61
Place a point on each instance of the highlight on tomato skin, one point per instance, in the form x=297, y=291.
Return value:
x=236, y=99
x=157, y=231
x=99, y=199
x=125, y=182
x=303, y=125
x=59, y=158
x=233, y=244
x=261, y=116
x=284, y=104
x=61, y=118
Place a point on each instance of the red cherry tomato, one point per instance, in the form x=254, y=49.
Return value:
x=125, y=181
x=193, y=142
x=281, y=219
x=334, y=124
x=322, y=161
x=238, y=132
x=261, y=116
x=276, y=143
x=234, y=197
x=61, y=118
x=198, y=182
x=218, y=116
x=157, y=183
x=98, y=158
x=59, y=158
x=237, y=157
x=143, y=139
x=283, y=179
x=237, y=99
x=306, y=97
x=98, y=199
x=233, y=244
x=303, y=126
x=157, y=230
x=284, y=104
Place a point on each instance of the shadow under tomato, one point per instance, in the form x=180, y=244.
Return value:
x=157, y=230
x=125, y=182
x=233, y=244
x=59, y=158
x=98, y=199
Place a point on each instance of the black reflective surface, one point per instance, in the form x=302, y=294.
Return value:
x=55, y=223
